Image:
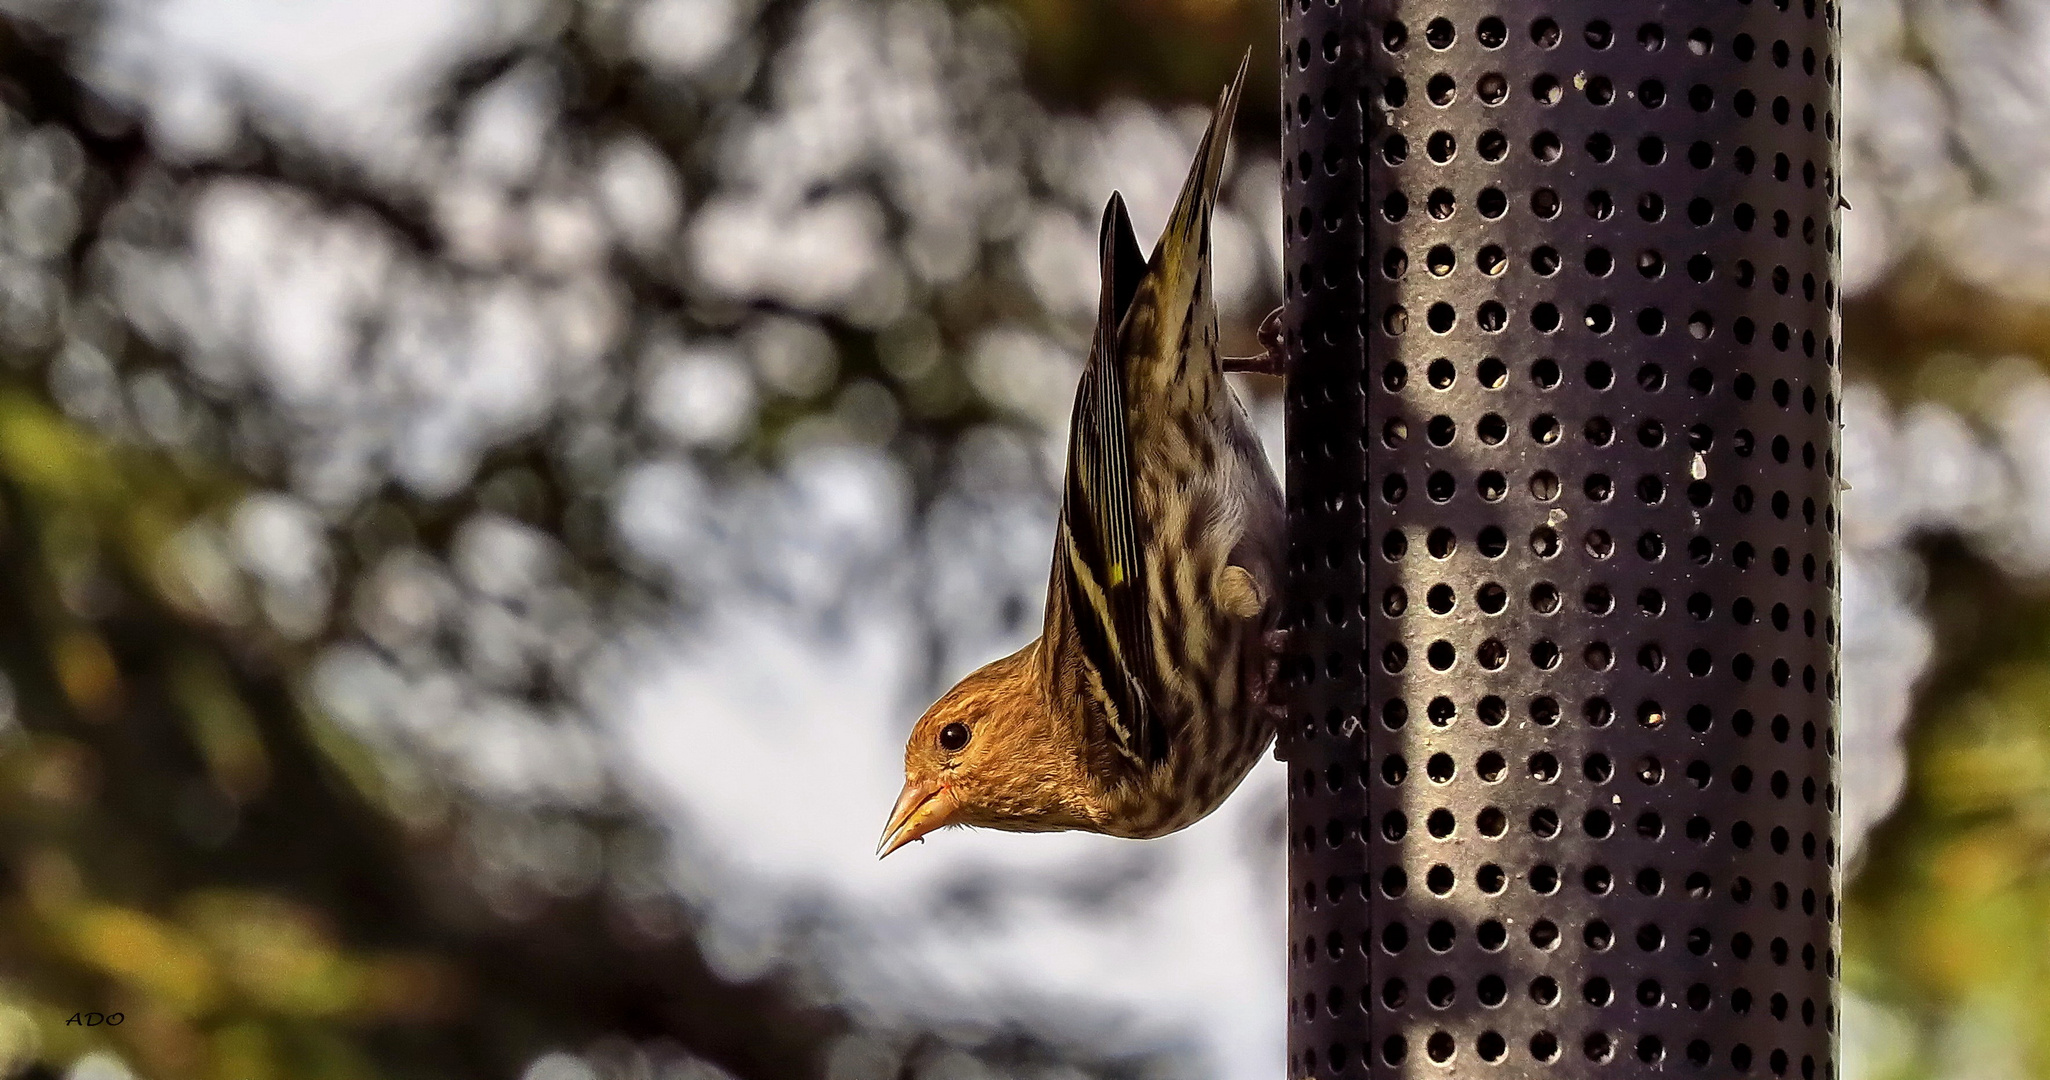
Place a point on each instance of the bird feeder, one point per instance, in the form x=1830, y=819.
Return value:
x=1562, y=485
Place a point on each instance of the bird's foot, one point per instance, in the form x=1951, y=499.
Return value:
x=1275, y=644
x=1273, y=358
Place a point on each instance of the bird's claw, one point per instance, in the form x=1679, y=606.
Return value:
x=1273, y=358
x=1270, y=329
x=1275, y=644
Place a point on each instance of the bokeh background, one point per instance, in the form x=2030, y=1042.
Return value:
x=486, y=484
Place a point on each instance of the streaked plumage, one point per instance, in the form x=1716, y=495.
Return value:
x=1141, y=705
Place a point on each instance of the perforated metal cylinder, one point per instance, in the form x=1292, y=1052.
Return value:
x=1562, y=491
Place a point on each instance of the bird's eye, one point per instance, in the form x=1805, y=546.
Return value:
x=953, y=737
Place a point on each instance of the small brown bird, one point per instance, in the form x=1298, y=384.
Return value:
x=1143, y=702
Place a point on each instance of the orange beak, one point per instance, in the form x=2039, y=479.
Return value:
x=922, y=807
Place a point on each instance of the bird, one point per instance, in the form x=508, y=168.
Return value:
x=1144, y=701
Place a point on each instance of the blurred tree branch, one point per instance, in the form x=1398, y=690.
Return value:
x=177, y=827
x=185, y=843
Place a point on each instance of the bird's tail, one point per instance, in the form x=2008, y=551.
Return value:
x=1180, y=266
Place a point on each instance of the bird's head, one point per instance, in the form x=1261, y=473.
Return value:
x=986, y=754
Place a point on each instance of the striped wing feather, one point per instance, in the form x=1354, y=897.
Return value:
x=1104, y=545
x=1103, y=549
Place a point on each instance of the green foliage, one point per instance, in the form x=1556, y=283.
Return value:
x=1949, y=921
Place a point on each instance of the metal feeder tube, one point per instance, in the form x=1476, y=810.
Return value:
x=1562, y=483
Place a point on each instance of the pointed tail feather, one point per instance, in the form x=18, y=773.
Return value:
x=1180, y=266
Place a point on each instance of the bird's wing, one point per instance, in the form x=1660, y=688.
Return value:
x=1103, y=548
x=1102, y=551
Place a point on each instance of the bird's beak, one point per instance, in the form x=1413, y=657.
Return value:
x=922, y=807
